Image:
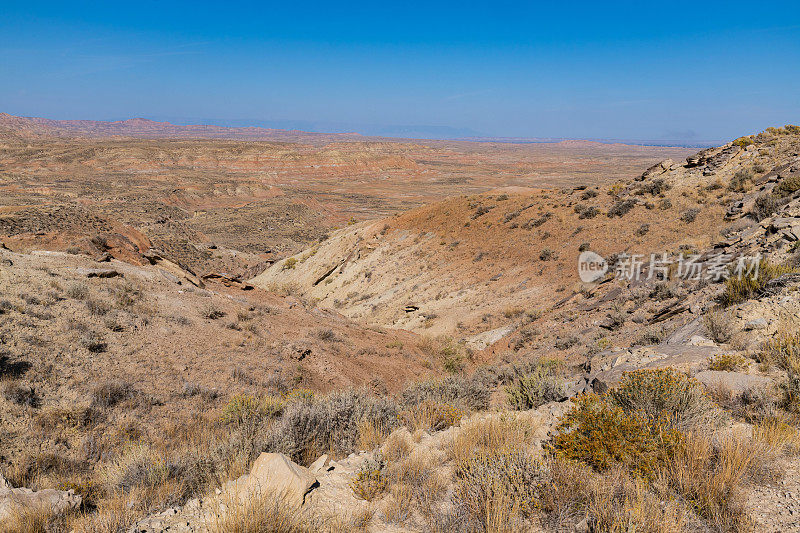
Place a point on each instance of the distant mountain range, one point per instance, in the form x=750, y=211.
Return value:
x=278, y=131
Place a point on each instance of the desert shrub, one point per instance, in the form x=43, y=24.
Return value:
x=642, y=230
x=588, y=212
x=690, y=215
x=212, y=312
x=728, y=362
x=742, y=181
x=790, y=392
x=290, y=263
x=719, y=325
x=621, y=208
x=588, y=193
x=35, y=519
x=787, y=187
x=247, y=409
x=263, y=514
x=504, y=479
x=472, y=394
x=711, y=475
x=309, y=427
x=610, y=502
x=764, y=206
x=741, y=288
x=743, y=141
x=432, y=415
x=370, y=479
x=783, y=351
x=539, y=387
x=94, y=342
x=77, y=290
x=136, y=466
x=327, y=335
x=546, y=254
x=653, y=336
x=110, y=394
x=663, y=291
x=665, y=204
x=601, y=434
x=655, y=393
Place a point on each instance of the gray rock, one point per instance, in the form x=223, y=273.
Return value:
x=757, y=323
x=15, y=500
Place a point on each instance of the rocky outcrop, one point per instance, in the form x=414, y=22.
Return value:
x=16, y=500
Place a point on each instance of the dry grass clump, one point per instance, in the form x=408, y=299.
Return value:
x=499, y=484
x=665, y=392
x=741, y=288
x=432, y=415
x=108, y=395
x=784, y=352
x=260, y=514
x=728, y=362
x=540, y=386
x=719, y=325
x=41, y=519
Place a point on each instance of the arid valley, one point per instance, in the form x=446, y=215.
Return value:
x=242, y=329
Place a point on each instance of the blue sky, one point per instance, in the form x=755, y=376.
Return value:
x=679, y=70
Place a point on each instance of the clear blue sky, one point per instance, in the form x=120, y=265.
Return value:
x=670, y=70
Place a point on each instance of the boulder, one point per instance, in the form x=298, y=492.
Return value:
x=15, y=500
x=274, y=473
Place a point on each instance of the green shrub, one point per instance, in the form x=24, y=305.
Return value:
x=370, y=480
x=536, y=388
x=727, y=362
x=787, y=187
x=784, y=352
x=601, y=434
x=664, y=392
x=741, y=288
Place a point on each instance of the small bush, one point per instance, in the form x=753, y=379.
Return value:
x=247, y=409
x=20, y=394
x=690, y=215
x=642, y=230
x=655, y=393
x=537, y=388
x=727, y=362
x=741, y=288
x=787, y=187
x=742, y=181
x=546, y=254
x=471, y=394
x=600, y=434
x=621, y=208
x=765, y=206
x=784, y=352
x=212, y=312
x=433, y=415
x=110, y=394
x=370, y=480
x=290, y=263
x=499, y=482
x=719, y=325
x=77, y=290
